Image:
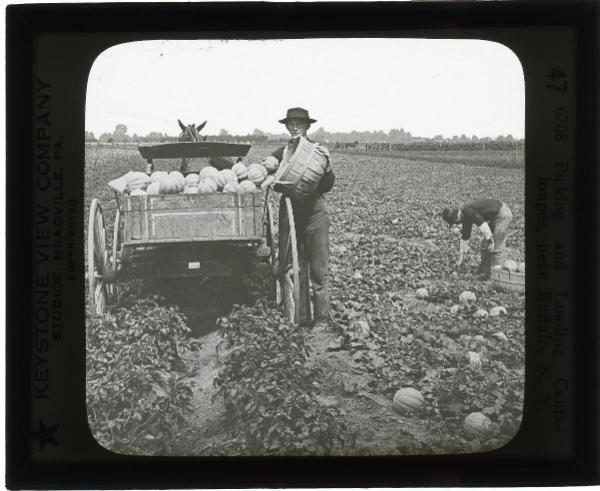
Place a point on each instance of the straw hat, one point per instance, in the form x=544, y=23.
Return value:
x=297, y=113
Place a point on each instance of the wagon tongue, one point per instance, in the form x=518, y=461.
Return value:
x=190, y=150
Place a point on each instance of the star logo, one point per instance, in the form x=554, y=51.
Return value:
x=45, y=435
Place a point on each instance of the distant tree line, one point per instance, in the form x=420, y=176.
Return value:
x=399, y=136
x=256, y=137
x=119, y=135
x=394, y=136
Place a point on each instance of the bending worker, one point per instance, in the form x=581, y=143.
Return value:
x=491, y=216
x=310, y=215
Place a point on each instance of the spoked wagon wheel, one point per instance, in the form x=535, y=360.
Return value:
x=291, y=279
x=113, y=287
x=270, y=223
x=289, y=267
x=97, y=259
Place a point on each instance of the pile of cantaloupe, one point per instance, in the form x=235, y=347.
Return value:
x=239, y=179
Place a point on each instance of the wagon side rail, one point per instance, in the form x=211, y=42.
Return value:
x=163, y=219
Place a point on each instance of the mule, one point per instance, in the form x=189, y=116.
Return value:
x=189, y=133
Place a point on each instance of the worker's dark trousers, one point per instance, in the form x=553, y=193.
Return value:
x=312, y=231
x=314, y=245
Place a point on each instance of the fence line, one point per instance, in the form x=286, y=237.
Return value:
x=362, y=147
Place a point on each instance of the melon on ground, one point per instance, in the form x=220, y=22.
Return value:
x=422, y=293
x=467, y=297
x=498, y=311
x=359, y=329
x=408, y=400
x=477, y=425
x=500, y=336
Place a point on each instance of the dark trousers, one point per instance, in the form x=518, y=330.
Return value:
x=314, y=246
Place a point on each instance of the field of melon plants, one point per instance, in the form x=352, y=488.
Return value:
x=212, y=368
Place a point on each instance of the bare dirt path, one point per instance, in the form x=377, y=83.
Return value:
x=206, y=427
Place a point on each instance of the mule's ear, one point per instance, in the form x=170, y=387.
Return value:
x=181, y=125
x=200, y=126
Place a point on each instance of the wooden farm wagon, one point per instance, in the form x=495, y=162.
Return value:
x=193, y=235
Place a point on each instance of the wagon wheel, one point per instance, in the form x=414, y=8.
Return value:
x=289, y=266
x=292, y=268
x=306, y=307
x=97, y=259
x=270, y=224
x=116, y=248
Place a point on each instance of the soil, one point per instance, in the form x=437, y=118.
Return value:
x=370, y=417
x=206, y=426
x=342, y=383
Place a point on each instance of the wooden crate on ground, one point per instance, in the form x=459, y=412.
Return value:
x=506, y=280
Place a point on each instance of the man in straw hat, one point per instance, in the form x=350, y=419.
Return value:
x=491, y=216
x=310, y=215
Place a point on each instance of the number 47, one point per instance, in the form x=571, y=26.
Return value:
x=560, y=85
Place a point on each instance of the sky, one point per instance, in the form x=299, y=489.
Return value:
x=425, y=86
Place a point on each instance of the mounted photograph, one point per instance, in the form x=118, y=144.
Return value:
x=305, y=247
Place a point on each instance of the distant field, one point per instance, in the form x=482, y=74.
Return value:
x=488, y=158
x=493, y=158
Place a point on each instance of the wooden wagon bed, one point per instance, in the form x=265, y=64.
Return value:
x=163, y=219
